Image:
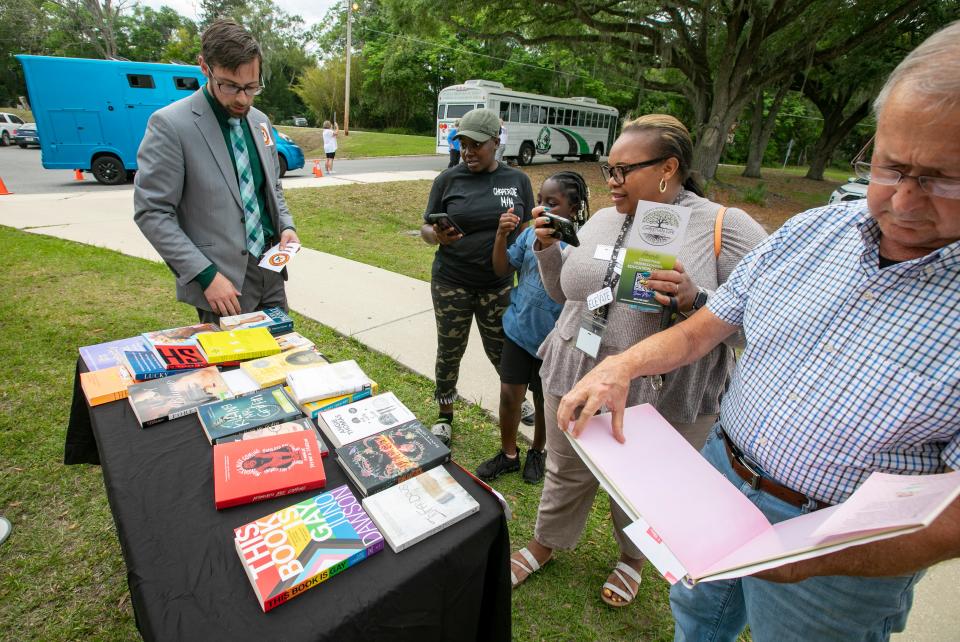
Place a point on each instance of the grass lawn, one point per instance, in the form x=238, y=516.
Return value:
x=360, y=144
x=62, y=576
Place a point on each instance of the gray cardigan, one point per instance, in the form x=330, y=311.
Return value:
x=571, y=275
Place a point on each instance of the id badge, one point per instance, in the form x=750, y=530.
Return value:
x=591, y=331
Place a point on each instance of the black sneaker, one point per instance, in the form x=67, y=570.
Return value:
x=535, y=466
x=498, y=465
x=527, y=413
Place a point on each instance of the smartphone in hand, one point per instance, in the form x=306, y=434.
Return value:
x=565, y=230
x=445, y=222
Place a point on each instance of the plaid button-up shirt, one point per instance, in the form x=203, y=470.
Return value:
x=848, y=368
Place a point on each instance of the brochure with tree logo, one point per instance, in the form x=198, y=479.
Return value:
x=653, y=243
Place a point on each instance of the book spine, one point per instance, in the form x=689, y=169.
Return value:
x=281, y=328
x=183, y=412
x=280, y=492
x=310, y=582
x=313, y=411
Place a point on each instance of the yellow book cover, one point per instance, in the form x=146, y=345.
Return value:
x=238, y=345
x=273, y=370
x=102, y=386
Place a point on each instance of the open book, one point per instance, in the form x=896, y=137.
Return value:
x=695, y=526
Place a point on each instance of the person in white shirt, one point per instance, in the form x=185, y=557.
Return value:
x=503, y=142
x=330, y=134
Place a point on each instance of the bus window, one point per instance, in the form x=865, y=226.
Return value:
x=440, y=109
x=534, y=113
x=504, y=110
x=543, y=115
x=514, y=112
x=140, y=81
x=457, y=111
x=525, y=113
x=479, y=105
x=593, y=119
x=552, y=120
x=567, y=116
x=187, y=83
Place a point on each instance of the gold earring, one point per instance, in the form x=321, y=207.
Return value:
x=663, y=185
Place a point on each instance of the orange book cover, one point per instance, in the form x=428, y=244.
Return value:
x=102, y=386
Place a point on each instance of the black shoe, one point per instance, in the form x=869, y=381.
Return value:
x=498, y=465
x=527, y=413
x=534, y=466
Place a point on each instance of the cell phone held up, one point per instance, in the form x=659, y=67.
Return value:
x=443, y=220
x=564, y=229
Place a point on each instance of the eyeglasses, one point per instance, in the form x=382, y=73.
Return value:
x=933, y=185
x=230, y=89
x=619, y=172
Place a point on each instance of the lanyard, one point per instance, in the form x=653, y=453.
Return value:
x=612, y=277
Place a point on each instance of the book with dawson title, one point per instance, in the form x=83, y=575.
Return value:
x=297, y=425
x=177, y=348
x=247, y=412
x=109, y=354
x=313, y=409
x=269, y=371
x=296, y=548
x=181, y=394
x=414, y=510
x=391, y=456
x=273, y=319
x=348, y=423
x=328, y=380
x=237, y=345
x=257, y=469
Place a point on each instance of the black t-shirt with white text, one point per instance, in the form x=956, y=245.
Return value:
x=475, y=202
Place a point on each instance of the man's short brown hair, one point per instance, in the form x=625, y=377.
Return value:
x=227, y=44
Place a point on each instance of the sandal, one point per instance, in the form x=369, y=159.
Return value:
x=533, y=567
x=622, y=572
x=443, y=431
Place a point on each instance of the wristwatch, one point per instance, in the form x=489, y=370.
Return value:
x=701, y=299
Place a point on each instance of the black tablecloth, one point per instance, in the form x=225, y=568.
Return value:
x=187, y=583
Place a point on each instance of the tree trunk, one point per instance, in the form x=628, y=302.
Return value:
x=761, y=128
x=713, y=134
x=835, y=129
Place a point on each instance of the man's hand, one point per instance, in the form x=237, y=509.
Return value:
x=222, y=296
x=606, y=385
x=289, y=235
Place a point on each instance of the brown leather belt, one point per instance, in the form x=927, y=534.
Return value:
x=747, y=473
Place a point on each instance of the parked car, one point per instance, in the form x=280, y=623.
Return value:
x=299, y=121
x=8, y=123
x=291, y=156
x=26, y=135
x=854, y=189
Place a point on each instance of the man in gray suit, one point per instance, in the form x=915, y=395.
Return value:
x=208, y=195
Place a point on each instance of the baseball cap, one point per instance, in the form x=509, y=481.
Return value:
x=480, y=125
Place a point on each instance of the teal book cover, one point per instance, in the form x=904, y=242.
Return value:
x=247, y=412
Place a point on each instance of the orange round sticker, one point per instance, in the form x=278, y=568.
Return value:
x=279, y=259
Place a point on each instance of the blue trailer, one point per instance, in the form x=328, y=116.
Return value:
x=91, y=114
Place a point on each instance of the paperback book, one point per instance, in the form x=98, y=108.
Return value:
x=287, y=427
x=104, y=386
x=144, y=365
x=177, y=348
x=325, y=381
x=391, y=456
x=109, y=354
x=237, y=345
x=313, y=409
x=412, y=511
x=296, y=548
x=181, y=394
x=257, y=469
x=239, y=382
x=363, y=418
x=272, y=370
x=273, y=319
x=292, y=341
x=258, y=409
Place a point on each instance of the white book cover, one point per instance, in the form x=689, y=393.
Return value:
x=363, y=418
x=239, y=382
x=419, y=507
x=328, y=380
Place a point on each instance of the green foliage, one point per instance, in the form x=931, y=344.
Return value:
x=756, y=194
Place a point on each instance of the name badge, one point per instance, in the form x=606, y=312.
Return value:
x=599, y=298
x=591, y=331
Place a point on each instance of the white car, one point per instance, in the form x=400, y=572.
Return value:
x=8, y=123
x=853, y=190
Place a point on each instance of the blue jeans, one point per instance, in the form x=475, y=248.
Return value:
x=820, y=608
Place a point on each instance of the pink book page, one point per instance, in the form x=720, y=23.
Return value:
x=699, y=514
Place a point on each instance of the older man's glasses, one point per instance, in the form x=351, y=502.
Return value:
x=619, y=172
x=933, y=185
x=230, y=89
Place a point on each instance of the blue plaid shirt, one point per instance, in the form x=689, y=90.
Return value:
x=848, y=368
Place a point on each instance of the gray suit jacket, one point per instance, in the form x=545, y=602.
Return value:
x=186, y=197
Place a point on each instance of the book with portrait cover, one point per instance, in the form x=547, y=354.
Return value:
x=292, y=341
x=391, y=456
x=237, y=345
x=181, y=394
x=313, y=409
x=177, y=348
x=253, y=470
x=348, y=423
x=328, y=380
x=292, y=550
x=297, y=425
x=109, y=354
x=247, y=412
x=269, y=371
x=144, y=365
x=104, y=386
x=414, y=510
x=273, y=319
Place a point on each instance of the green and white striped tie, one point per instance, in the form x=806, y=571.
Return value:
x=251, y=209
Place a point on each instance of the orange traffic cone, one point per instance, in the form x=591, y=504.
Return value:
x=77, y=175
x=316, y=168
x=3, y=189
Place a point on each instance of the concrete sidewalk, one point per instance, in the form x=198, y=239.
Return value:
x=388, y=312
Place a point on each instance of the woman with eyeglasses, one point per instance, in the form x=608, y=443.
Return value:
x=650, y=161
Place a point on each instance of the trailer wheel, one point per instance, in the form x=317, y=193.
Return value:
x=109, y=170
x=527, y=152
x=283, y=165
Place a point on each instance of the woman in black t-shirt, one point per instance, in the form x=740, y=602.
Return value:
x=464, y=285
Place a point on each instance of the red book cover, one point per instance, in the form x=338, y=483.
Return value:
x=257, y=469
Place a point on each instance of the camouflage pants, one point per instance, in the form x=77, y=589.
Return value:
x=454, y=309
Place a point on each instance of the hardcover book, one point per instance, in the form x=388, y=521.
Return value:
x=272, y=370
x=181, y=394
x=253, y=410
x=177, y=348
x=103, y=386
x=328, y=380
x=346, y=424
x=296, y=548
x=237, y=345
x=297, y=425
x=313, y=409
x=391, y=456
x=109, y=354
x=419, y=507
x=144, y=365
x=257, y=469
x=273, y=319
